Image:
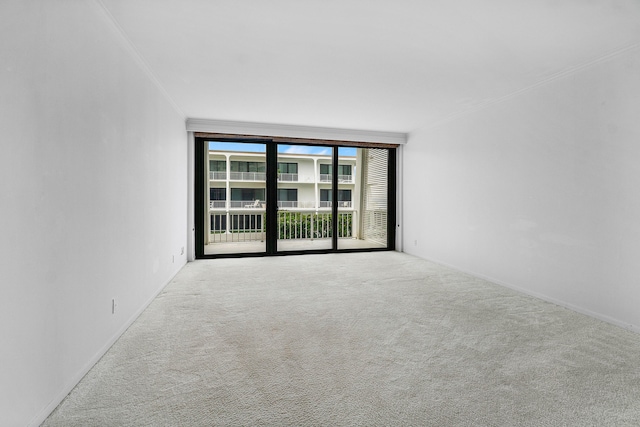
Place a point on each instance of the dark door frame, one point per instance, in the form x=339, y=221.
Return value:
x=271, y=143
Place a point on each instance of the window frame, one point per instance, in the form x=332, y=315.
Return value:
x=201, y=152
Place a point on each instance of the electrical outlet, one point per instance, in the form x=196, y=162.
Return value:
x=173, y=258
x=415, y=243
x=182, y=250
x=114, y=305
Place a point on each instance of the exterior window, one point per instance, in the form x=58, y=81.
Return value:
x=247, y=194
x=343, y=195
x=217, y=165
x=237, y=166
x=217, y=194
x=287, y=194
x=301, y=205
x=287, y=167
x=342, y=169
x=344, y=198
x=217, y=198
x=287, y=197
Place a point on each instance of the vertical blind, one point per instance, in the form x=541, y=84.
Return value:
x=374, y=186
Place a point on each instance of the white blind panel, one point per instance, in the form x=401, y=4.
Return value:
x=374, y=215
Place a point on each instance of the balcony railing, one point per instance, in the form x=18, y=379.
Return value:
x=288, y=177
x=345, y=179
x=241, y=227
x=247, y=176
x=282, y=204
x=247, y=204
x=237, y=227
x=218, y=175
x=261, y=176
x=285, y=204
x=341, y=204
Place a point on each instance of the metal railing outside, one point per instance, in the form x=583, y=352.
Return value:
x=246, y=227
x=218, y=175
x=287, y=203
x=241, y=227
x=345, y=179
x=247, y=204
x=341, y=204
x=293, y=204
x=283, y=204
x=288, y=177
x=301, y=225
x=247, y=176
x=217, y=204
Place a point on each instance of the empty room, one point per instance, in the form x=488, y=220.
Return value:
x=320, y=213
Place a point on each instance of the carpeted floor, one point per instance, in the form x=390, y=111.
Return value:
x=373, y=339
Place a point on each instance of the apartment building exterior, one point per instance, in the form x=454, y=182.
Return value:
x=237, y=195
x=237, y=192
x=237, y=181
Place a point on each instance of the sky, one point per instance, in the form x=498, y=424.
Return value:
x=284, y=149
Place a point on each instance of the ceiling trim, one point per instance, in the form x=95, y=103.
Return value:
x=294, y=131
x=225, y=137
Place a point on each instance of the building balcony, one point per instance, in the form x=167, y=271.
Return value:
x=291, y=225
x=218, y=175
x=341, y=204
x=247, y=176
x=247, y=204
x=343, y=179
x=288, y=177
x=237, y=204
x=282, y=204
x=292, y=204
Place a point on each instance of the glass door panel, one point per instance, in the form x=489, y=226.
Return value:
x=321, y=198
x=304, y=218
x=236, y=191
x=362, y=198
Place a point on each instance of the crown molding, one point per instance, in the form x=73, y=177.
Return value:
x=137, y=57
x=294, y=131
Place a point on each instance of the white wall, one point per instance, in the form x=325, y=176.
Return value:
x=93, y=184
x=539, y=192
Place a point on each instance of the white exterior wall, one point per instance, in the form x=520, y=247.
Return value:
x=539, y=192
x=308, y=175
x=93, y=178
x=305, y=168
x=249, y=157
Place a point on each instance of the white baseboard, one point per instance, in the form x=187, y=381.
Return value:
x=543, y=297
x=47, y=410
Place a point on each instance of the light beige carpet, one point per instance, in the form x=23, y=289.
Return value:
x=373, y=339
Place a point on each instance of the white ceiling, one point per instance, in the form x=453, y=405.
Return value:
x=391, y=65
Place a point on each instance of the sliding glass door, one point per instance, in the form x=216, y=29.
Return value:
x=262, y=197
x=236, y=191
x=304, y=221
x=363, y=199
